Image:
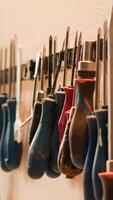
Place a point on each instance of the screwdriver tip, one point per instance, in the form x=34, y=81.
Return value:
x=99, y=31
x=68, y=29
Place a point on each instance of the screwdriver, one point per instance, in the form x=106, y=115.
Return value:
x=106, y=177
x=68, y=90
x=52, y=169
x=60, y=95
x=5, y=117
x=38, y=154
x=13, y=147
x=101, y=154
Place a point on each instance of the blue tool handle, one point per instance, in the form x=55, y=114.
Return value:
x=13, y=152
x=40, y=147
x=87, y=175
x=101, y=155
x=2, y=141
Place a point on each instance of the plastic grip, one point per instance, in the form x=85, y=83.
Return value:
x=67, y=106
x=64, y=161
x=35, y=121
x=60, y=96
x=50, y=172
x=2, y=141
x=38, y=154
x=101, y=154
x=107, y=184
x=87, y=175
x=13, y=150
x=78, y=133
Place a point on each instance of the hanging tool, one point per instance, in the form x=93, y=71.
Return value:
x=5, y=115
x=68, y=90
x=92, y=135
x=36, y=106
x=107, y=185
x=78, y=133
x=40, y=146
x=107, y=177
x=52, y=169
x=13, y=143
x=64, y=161
x=87, y=173
x=101, y=154
x=44, y=132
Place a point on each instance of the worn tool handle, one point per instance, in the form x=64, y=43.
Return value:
x=50, y=172
x=60, y=96
x=107, y=184
x=2, y=141
x=35, y=121
x=13, y=152
x=67, y=106
x=87, y=175
x=40, y=147
x=64, y=161
x=101, y=154
x=78, y=134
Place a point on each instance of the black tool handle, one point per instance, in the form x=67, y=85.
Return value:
x=60, y=96
x=35, y=121
x=40, y=147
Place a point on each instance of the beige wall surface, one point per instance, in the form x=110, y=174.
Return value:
x=34, y=21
